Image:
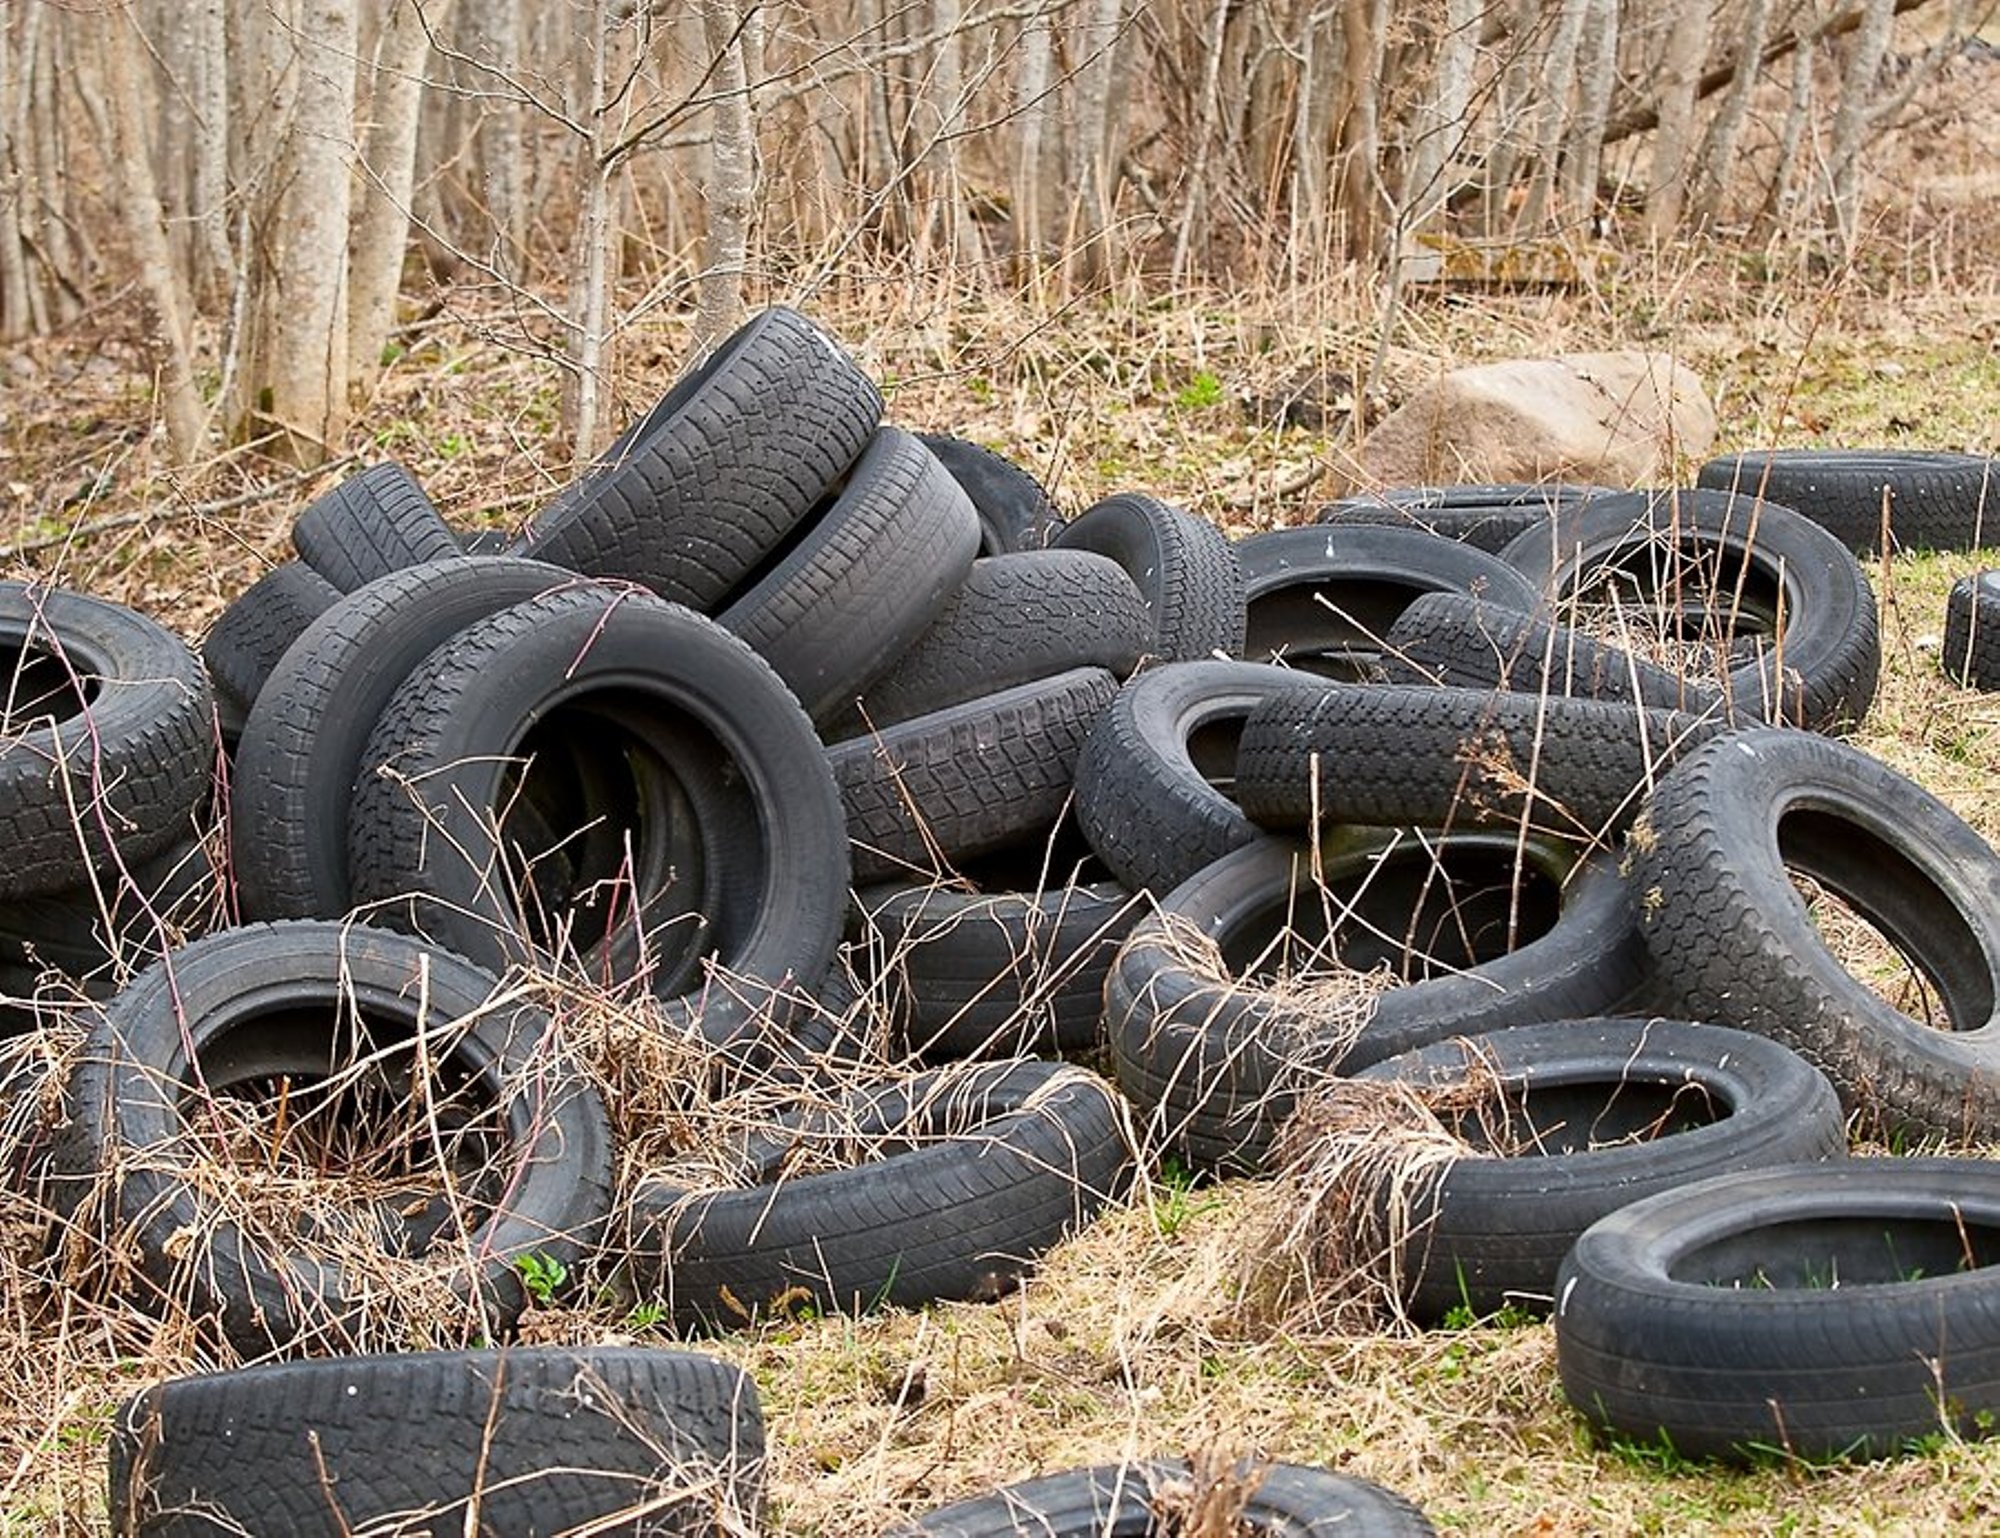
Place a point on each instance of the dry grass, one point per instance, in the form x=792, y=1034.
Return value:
x=1143, y=1335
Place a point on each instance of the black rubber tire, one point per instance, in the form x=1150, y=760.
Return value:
x=1324, y=598
x=525, y=1150
x=116, y=923
x=300, y=755
x=1826, y=1311
x=1733, y=941
x=1935, y=501
x=1459, y=642
x=697, y=494
x=254, y=631
x=1015, y=510
x=376, y=521
x=1971, y=655
x=868, y=573
x=972, y=1173
x=1741, y=570
x=987, y=775
x=1485, y=517
x=1117, y=1501
x=1586, y=1116
x=107, y=738
x=1015, y=619
x=982, y=974
x=1184, y=567
x=1213, y=1058
x=535, y=1439
x=1154, y=780
x=1381, y=755
x=644, y=746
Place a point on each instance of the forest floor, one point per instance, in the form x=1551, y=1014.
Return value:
x=1132, y=1339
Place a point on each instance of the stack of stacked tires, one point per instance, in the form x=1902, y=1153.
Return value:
x=822, y=746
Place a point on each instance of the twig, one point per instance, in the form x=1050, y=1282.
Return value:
x=193, y=510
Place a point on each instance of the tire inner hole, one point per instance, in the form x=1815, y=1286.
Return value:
x=339, y=1125
x=40, y=687
x=1853, y=1250
x=1885, y=921
x=1516, y=1120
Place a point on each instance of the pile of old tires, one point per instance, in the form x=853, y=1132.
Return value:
x=837, y=761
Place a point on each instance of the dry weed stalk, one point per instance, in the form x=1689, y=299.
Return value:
x=1359, y=1165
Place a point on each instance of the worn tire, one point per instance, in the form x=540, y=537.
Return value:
x=1455, y=641
x=699, y=492
x=617, y=749
x=976, y=1171
x=1737, y=570
x=1154, y=780
x=1380, y=755
x=1214, y=1057
x=1015, y=510
x=376, y=521
x=1118, y=1501
x=535, y=1439
x=300, y=755
x=1971, y=653
x=1935, y=501
x=1572, y=1120
x=1485, y=517
x=1184, y=567
x=1814, y=1312
x=1017, y=618
x=1733, y=941
x=1324, y=598
x=254, y=631
x=506, y=1134
x=987, y=775
x=980, y=974
x=107, y=739
x=863, y=578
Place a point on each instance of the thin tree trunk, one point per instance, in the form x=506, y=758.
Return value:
x=16, y=310
x=1718, y=150
x=1033, y=116
x=590, y=263
x=730, y=193
x=1679, y=78
x=1440, y=127
x=388, y=174
x=304, y=363
x=501, y=143
x=1599, y=79
x=1785, y=183
x=1559, y=74
x=208, y=90
x=1852, y=118
x=1090, y=155
x=1193, y=229
x=131, y=108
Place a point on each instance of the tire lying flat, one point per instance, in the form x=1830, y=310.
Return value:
x=541, y=1439
x=1127, y=1501
x=1585, y=1117
x=1930, y=500
x=973, y=1172
x=1818, y=1311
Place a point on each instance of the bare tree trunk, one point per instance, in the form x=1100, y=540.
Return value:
x=304, y=362
x=131, y=108
x=1193, y=231
x=1686, y=25
x=1599, y=79
x=16, y=309
x=501, y=147
x=388, y=172
x=730, y=193
x=1031, y=190
x=1439, y=129
x=1852, y=118
x=1363, y=26
x=208, y=90
x=1091, y=154
x=1718, y=150
x=1559, y=73
x=1786, y=188
x=589, y=314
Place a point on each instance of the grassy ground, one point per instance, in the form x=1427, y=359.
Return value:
x=1132, y=1340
